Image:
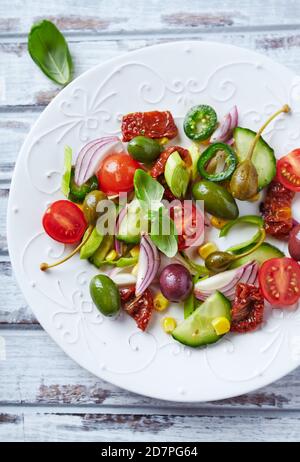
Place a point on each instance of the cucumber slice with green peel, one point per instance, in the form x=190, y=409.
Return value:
x=177, y=175
x=130, y=226
x=197, y=330
x=263, y=156
x=265, y=252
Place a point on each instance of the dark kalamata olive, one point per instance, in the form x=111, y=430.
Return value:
x=294, y=243
x=175, y=282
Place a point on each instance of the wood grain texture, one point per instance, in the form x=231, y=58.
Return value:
x=110, y=16
x=62, y=382
x=56, y=425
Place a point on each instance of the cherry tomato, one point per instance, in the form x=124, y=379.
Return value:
x=116, y=173
x=288, y=170
x=64, y=222
x=279, y=280
x=189, y=222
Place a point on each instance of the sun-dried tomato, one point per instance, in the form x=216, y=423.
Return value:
x=159, y=166
x=248, y=308
x=277, y=210
x=154, y=124
x=140, y=308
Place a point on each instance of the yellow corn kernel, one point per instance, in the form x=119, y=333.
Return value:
x=111, y=256
x=221, y=325
x=162, y=141
x=217, y=222
x=206, y=249
x=169, y=325
x=135, y=251
x=254, y=198
x=160, y=302
x=134, y=270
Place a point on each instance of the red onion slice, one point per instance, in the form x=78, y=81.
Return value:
x=224, y=132
x=221, y=133
x=148, y=265
x=90, y=156
x=234, y=117
x=226, y=282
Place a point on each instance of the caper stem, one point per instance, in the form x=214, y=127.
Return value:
x=46, y=266
x=259, y=242
x=286, y=108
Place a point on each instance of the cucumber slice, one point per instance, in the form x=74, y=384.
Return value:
x=197, y=329
x=262, y=254
x=177, y=175
x=263, y=156
x=130, y=227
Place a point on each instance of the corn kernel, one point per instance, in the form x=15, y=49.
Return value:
x=160, y=302
x=135, y=251
x=111, y=256
x=218, y=222
x=221, y=325
x=134, y=270
x=162, y=141
x=254, y=198
x=206, y=249
x=169, y=325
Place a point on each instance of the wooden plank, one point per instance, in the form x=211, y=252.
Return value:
x=36, y=371
x=110, y=16
x=24, y=85
x=23, y=424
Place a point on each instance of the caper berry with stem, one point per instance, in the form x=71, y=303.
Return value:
x=244, y=181
x=219, y=261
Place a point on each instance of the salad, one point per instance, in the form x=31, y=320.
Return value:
x=141, y=209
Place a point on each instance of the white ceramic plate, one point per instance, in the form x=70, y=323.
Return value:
x=173, y=76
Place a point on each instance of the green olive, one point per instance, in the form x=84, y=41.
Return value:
x=105, y=295
x=217, y=262
x=244, y=181
x=217, y=200
x=89, y=206
x=144, y=149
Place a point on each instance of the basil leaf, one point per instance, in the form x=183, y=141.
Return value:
x=148, y=191
x=163, y=232
x=66, y=178
x=49, y=50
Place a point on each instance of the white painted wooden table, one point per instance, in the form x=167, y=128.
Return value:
x=43, y=394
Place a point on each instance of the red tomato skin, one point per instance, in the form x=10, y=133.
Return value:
x=69, y=212
x=289, y=293
x=116, y=173
x=286, y=167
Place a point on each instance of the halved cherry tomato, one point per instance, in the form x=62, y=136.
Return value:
x=64, y=222
x=189, y=222
x=279, y=280
x=116, y=173
x=288, y=170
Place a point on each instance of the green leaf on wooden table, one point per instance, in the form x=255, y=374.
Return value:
x=163, y=232
x=49, y=50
